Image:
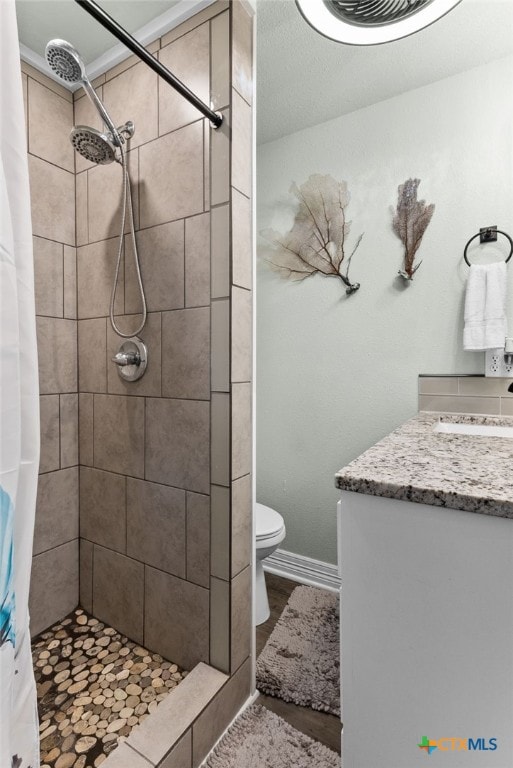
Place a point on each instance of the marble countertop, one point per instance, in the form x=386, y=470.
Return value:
x=413, y=463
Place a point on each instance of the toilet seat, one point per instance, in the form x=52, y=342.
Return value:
x=268, y=523
x=269, y=533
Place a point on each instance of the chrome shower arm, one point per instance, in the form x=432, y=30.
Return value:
x=101, y=109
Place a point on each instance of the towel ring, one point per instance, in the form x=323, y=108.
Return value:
x=480, y=234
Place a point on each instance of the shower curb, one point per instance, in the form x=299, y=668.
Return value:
x=205, y=699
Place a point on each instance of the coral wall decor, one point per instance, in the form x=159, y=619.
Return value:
x=317, y=241
x=411, y=219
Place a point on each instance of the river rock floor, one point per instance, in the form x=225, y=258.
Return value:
x=93, y=686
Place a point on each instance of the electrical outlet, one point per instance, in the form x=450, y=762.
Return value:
x=496, y=365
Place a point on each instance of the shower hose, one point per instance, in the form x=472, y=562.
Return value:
x=127, y=199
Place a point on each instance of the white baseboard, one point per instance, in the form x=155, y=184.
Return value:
x=305, y=570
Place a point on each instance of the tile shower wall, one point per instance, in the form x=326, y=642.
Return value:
x=466, y=394
x=49, y=110
x=165, y=486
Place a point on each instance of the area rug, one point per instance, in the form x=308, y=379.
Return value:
x=301, y=659
x=261, y=739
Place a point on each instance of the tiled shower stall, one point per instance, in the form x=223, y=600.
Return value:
x=144, y=503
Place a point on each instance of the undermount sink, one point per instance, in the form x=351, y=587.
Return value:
x=481, y=430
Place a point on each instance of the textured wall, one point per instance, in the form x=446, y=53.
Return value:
x=54, y=589
x=337, y=374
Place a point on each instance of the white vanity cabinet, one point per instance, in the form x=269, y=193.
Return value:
x=426, y=634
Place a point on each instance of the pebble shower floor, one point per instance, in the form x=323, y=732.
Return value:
x=93, y=686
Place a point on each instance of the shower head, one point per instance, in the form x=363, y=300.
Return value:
x=65, y=61
x=95, y=146
x=67, y=64
x=369, y=22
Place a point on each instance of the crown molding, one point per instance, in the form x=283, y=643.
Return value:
x=156, y=28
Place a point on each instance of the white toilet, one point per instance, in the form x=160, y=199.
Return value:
x=270, y=532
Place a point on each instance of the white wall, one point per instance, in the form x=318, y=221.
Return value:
x=336, y=374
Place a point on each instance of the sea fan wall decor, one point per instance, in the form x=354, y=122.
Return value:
x=317, y=241
x=411, y=219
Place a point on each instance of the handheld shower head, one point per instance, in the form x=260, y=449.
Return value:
x=65, y=61
x=95, y=146
x=67, y=64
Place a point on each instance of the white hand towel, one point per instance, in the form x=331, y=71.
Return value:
x=496, y=325
x=474, y=330
x=485, y=307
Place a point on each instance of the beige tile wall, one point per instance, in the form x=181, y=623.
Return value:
x=49, y=110
x=160, y=560
x=158, y=471
x=466, y=394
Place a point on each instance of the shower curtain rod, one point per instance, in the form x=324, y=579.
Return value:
x=123, y=36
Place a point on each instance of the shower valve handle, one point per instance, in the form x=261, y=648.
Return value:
x=127, y=358
x=131, y=359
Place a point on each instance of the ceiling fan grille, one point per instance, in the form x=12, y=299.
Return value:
x=374, y=12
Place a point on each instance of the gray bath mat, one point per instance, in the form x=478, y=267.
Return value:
x=261, y=739
x=301, y=659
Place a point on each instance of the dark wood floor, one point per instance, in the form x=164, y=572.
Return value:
x=319, y=725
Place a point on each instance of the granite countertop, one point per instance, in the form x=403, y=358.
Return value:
x=413, y=463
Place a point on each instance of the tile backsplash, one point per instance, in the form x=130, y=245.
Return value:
x=465, y=394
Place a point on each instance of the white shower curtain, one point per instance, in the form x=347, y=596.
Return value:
x=19, y=414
